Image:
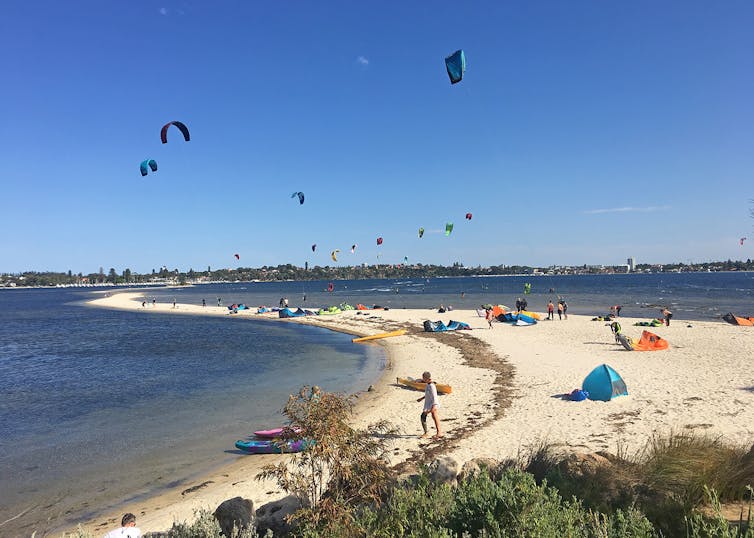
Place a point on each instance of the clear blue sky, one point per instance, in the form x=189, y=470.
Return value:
x=583, y=132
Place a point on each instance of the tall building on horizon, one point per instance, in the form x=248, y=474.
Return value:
x=631, y=264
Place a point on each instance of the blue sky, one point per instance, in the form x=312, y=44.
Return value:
x=583, y=132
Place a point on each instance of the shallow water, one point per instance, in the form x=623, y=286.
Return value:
x=99, y=406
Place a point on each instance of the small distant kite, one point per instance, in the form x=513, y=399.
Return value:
x=237, y=256
x=334, y=255
x=314, y=247
x=330, y=287
x=145, y=166
x=300, y=197
x=448, y=228
x=353, y=248
x=527, y=288
x=741, y=241
x=164, y=132
x=468, y=216
x=456, y=66
x=405, y=259
x=379, y=240
x=421, y=232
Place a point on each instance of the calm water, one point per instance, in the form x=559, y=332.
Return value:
x=692, y=296
x=97, y=406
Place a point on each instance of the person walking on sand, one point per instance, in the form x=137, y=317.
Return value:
x=551, y=310
x=565, y=309
x=667, y=314
x=489, y=316
x=154, y=302
x=431, y=404
x=560, y=309
x=128, y=528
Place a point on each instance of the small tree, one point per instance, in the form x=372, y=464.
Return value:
x=341, y=467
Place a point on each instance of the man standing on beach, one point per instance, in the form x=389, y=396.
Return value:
x=128, y=528
x=551, y=310
x=489, y=316
x=430, y=405
x=667, y=314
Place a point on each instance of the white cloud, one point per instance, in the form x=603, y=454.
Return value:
x=629, y=209
x=163, y=11
x=362, y=60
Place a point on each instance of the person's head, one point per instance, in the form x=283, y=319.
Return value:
x=426, y=376
x=128, y=520
x=316, y=390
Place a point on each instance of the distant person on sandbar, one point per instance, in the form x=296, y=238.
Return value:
x=154, y=302
x=173, y=302
x=204, y=303
x=667, y=314
x=143, y=304
x=128, y=528
x=431, y=405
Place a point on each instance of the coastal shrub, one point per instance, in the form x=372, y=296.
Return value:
x=684, y=464
x=340, y=468
x=513, y=506
x=717, y=526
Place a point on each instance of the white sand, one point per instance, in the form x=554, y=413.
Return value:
x=704, y=382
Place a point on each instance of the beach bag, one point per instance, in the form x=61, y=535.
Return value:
x=579, y=395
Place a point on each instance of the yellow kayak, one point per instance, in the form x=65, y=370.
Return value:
x=421, y=385
x=399, y=332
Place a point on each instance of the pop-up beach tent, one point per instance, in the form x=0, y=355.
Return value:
x=603, y=383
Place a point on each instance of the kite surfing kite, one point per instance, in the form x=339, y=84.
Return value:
x=314, y=247
x=456, y=65
x=740, y=241
x=379, y=240
x=353, y=248
x=149, y=164
x=237, y=256
x=164, y=131
x=334, y=255
x=421, y=232
x=330, y=287
x=448, y=228
x=527, y=288
x=300, y=197
x=468, y=216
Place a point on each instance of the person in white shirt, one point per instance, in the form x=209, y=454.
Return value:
x=431, y=404
x=128, y=528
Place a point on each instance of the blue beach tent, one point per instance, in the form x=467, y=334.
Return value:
x=603, y=383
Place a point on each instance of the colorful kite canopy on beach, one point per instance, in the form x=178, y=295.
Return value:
x=455, y=64
x=164, y=131
x=145, y=166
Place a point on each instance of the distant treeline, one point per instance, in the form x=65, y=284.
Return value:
x=291, y=272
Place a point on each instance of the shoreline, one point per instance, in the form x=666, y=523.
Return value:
x=159, y=511
x=508, y=387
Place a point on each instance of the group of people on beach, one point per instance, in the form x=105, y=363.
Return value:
x=562, y=309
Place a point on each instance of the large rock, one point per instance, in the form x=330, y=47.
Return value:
x=474, y=468
x=273, y=515
x=579, y=465
x=236, y=512
x=444, y=470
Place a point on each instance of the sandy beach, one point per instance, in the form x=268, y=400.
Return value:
x=508, y=386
